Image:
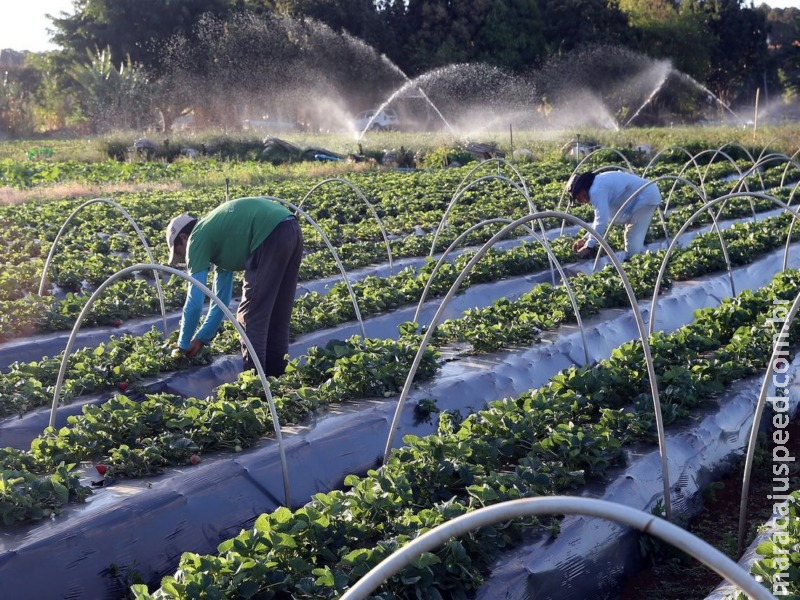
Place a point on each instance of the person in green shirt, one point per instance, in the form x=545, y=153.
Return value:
x=254, y=235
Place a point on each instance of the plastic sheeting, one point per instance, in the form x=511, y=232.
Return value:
x=200, y=382
x=591, y=557
x=726, y=590
x=35, y=347
x=146, y=524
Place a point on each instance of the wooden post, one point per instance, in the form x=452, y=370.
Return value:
x=755, y=117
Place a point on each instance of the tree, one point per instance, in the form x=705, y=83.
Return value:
x=134, y=30
x=113, y=98
x=437, y=33
x=570, y=24
x=511, y=35
x=16, y=101
x=357, y=17
x=738, y=56
x=662, y=31
x=783, y=35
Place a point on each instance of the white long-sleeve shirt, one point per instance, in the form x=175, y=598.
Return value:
x=609, y=191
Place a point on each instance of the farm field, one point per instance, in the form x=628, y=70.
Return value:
x=167, y=474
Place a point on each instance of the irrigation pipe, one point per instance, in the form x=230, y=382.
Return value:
x=325, y=239
x=634, y=307
x=551, y=256
x=779, y=352
x=214, y=298
x=361, y=195
x=662, y=270
x=138, y=232
x=558, y=505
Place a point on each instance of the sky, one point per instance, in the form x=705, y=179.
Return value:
x=23, y=25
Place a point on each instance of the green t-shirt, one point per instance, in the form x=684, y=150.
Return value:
x=230, y=233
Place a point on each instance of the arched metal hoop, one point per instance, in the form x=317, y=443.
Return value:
x=691, y=159
x=686, y=225
x=136, y=229
x=551, y=256
x=559, y=505
x=214, y=298
x=464, y=189
x=779, y=352
x=791, y=226
x=634, y=307
x=740, y=182
x=501, y=162
x=750, y=171
x=335, y=255
x=616, y=151
x=791, y=162
x=371, y=207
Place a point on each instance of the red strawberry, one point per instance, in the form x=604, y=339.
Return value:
x=194, y=459
x=123, y=385
x=101, y=468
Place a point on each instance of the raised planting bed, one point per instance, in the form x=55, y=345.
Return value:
x=24, y=315
x=777, y=541
x=226, y=369
x=145, y=525
x=592, y=558
x=543, y=442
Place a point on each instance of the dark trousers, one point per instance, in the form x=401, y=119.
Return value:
x=270, y=281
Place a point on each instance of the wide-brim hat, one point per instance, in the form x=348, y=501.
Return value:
x=174, y=228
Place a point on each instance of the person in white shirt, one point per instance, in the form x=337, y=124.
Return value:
x=607, y=192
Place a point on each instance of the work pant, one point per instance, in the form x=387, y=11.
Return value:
x=636, y=230
x=270, y=281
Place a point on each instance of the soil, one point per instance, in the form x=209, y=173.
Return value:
x=672, y=575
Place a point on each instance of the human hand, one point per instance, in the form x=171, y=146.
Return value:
x=194, y=347
x=579, y=245
x=176, y=352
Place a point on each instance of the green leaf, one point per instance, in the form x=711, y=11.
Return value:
x=425, y=560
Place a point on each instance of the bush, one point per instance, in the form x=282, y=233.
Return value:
x=444, y=157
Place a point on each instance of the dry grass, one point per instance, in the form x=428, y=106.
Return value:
x=9, y=195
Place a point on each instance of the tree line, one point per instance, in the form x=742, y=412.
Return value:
x=137, y=64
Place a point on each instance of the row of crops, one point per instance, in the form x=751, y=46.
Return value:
x=405, y=203
x=546, y=441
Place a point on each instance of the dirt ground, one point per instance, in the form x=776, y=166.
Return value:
x=671, y=575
